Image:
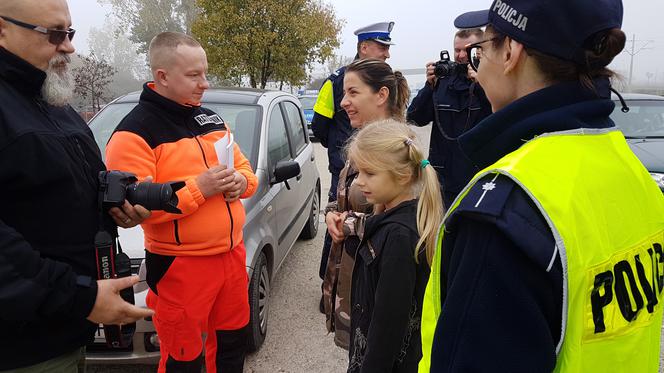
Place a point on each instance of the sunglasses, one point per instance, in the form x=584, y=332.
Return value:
x=55, y=37
x=474, y=52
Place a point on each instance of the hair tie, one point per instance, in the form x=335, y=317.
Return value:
x=408, y=141
x=424, y=163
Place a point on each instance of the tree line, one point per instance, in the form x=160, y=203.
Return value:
x=248, y=42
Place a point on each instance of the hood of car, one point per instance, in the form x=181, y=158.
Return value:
x=650, y=152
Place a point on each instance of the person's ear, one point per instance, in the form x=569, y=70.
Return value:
x=513, y=53
x=383, y=95
x=161, y=77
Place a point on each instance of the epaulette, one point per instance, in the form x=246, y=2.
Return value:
x=488, y=196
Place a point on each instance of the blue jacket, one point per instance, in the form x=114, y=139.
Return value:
x=460, y=105
x=334, y=132
x=501, y=308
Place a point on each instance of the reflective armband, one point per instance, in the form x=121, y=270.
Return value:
x=325, y=101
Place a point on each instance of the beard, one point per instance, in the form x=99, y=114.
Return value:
x=58, y=87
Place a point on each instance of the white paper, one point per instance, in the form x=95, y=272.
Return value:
x=224, y=149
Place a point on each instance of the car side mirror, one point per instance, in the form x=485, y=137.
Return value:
x=285, y=170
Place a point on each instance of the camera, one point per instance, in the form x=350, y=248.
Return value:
x=446, y=67
x=116, y=186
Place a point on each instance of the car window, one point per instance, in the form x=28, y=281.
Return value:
x=296, y=126
x=308, y=102
x=244, y=122
x=644, y=119
x=277, y=139
x=103, y=125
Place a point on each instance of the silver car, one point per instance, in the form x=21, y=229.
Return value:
x=270, y=128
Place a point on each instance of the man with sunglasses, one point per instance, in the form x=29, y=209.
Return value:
x=453, y=104
x=49, y=162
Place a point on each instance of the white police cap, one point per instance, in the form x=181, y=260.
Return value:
x=378, y=32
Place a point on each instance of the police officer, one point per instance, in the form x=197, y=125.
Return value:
x=330, y=123
x=551, y=258
x=454, y=103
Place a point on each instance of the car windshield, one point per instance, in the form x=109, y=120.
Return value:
x=307, y=102
x=644, y=119
x=244, y=121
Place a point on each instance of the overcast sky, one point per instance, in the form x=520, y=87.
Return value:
x=424, y=27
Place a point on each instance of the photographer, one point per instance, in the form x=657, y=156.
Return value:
x=454, y=102
x=49, y=163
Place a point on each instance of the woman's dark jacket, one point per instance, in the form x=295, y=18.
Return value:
x=49, y=164
x=387, y=294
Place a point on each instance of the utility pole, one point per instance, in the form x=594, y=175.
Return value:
x=634, y=52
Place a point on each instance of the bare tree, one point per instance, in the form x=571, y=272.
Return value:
x=92, y=79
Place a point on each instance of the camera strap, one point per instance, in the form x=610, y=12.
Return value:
x=437, y=116
x=113, y=263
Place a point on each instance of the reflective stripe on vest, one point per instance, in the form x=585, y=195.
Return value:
x=607, y=218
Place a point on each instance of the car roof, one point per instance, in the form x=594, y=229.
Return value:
x=230, y=95
x=637, y=96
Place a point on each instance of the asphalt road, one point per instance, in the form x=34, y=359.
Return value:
x=297, y=340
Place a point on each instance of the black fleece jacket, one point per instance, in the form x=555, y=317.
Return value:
x=387, y=294
x=49, y=163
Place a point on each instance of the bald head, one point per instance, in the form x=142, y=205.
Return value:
x=164, y=46
x=51, y=14
x=33, y=11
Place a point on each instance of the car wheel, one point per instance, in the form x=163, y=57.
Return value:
x=259, y=296
x=311, y=227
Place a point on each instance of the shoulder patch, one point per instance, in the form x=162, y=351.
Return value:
x=488, y=196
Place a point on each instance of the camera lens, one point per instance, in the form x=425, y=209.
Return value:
x=155, y=196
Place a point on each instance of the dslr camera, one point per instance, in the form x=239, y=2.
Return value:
x=446, y=67
x=114, y=188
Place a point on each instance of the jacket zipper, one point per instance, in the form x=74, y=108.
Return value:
x=177, y=232
x=228, y=206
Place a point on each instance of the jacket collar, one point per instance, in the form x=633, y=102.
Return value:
x=403, y=213
x=561, y=107
x=20, y=74
x=150, y=96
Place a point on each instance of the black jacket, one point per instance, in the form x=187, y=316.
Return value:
x=49, y=164
x=501, y=280
x=334, y=132
x=460, y=105
x=387, y=294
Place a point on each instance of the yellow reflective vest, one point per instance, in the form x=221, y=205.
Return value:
x=607, y=218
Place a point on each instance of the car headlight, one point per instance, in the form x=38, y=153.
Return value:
x=659, y=179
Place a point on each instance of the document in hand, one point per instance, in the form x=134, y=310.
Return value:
x=224, y=149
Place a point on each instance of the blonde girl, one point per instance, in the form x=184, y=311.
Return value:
x=397, y=244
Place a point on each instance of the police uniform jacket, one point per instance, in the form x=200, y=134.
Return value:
x=460, y=105
x=502, y=296
x=334, y=132
x=387, y=294
x=49, y=163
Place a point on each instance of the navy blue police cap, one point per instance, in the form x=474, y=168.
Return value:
x=561, y=28
x=378, y=32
